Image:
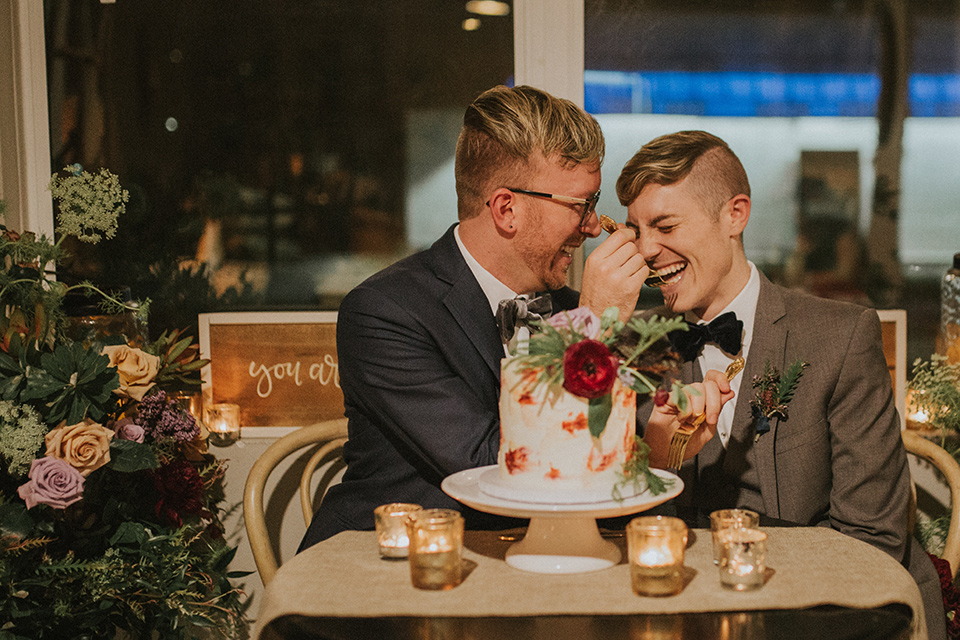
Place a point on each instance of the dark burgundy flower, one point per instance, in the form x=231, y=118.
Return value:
x=661, y=397
x=589, y=369
x=180, y=491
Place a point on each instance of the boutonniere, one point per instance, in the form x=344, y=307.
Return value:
x=774, y=392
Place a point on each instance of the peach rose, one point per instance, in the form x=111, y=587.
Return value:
x=136, y=368
x=85, y=446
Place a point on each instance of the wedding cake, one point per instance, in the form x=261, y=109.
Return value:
x=568, y=409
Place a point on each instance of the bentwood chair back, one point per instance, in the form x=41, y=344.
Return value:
x=950, y=468
x=328, y=437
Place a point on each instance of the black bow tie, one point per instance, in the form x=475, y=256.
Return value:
x=725, y=331
x=514, y=313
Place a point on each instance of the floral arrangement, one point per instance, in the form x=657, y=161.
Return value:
x=585, y=355
x=110, y=517
x=934, y=394
x=774, y=393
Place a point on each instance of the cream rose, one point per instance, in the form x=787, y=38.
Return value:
x=136, y=368
x=85, y=446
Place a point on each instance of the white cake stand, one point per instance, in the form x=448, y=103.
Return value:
x=561, y=538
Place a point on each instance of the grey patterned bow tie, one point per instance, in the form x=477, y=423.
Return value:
x=514, y=313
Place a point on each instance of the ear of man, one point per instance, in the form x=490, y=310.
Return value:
x=502, y=209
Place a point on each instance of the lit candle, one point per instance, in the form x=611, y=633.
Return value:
x=223, y=423
x=436, y=548
x=742, y=558
x=655, y=547
x=390, y=521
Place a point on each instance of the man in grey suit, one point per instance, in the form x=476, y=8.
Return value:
x=418, y=345
x=833, y=456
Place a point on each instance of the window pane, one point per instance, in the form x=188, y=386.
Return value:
x=293, y=146
x=795, y=88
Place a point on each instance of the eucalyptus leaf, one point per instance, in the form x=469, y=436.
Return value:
x=598, y=413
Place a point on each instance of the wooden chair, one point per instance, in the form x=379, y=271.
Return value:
x=950, y=468
x=330, y=436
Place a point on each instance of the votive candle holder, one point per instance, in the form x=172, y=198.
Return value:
x=223, y=423
x=743, y=556
x=391, y=525
x=726, y=519
x=436, y=548
x=656, y=546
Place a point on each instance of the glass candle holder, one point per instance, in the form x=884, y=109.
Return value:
x=743, y=554
x=725, y=519
x=391, y=524
x=436, y=548
x=223, y=423
x=655, y=546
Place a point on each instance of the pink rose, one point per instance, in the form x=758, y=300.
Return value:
x=52, y=482
x=137, y=370
x=85, y=446
x=582, y=320
x=127, y=429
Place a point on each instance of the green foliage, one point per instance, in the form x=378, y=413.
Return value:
x=73, y=382
x=936, y=392
x=637, y=474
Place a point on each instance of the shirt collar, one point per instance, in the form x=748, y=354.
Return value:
x=493, y=289
x=744, y=305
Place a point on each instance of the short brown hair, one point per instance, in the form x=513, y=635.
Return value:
x=505, y=128
x=670, y=158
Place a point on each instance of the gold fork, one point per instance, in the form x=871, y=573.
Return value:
x=609, y=225
x=678, y=444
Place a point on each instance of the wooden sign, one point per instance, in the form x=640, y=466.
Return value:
x=280, y=367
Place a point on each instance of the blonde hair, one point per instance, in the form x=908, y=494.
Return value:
x=506, y=128
x=714, y=169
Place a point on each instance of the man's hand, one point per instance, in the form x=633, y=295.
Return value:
x=613, y=275
x=707, y=397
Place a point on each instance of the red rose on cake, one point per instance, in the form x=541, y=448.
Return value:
x=589, y=369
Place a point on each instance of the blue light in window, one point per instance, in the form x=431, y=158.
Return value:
x=763, y=94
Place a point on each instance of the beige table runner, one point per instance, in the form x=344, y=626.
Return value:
x=808, y=566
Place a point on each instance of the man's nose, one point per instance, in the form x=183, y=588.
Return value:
x=647, y=247
x=591, y=225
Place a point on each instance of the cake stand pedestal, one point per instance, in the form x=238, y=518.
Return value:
x=561, y=538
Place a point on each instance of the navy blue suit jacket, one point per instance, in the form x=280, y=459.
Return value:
x=419, y=356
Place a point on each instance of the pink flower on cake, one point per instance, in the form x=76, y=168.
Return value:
x=85, y=446
x=589, y=369
x=52, y=482
x=581, y=320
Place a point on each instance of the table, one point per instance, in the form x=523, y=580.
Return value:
x=820, y=584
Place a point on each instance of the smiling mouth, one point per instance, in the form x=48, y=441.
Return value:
x=661, y=278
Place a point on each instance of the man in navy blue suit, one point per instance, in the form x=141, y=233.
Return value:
x=418, y=345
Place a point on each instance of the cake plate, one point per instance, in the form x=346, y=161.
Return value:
x=561, y=538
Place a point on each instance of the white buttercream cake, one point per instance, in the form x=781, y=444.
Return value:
x=546, y=450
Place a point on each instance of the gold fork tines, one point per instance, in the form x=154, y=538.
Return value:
x=678, y=443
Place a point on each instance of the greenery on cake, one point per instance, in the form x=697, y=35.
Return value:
x=578, y=352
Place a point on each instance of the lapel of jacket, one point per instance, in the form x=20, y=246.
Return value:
x=768, y=344
x=466, y=301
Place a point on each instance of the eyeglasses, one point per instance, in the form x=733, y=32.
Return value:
x=588, y=206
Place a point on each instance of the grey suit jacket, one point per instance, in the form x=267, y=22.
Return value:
x=838, y=459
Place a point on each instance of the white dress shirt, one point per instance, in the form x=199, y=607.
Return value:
x=712, y=357
x=494, y=290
